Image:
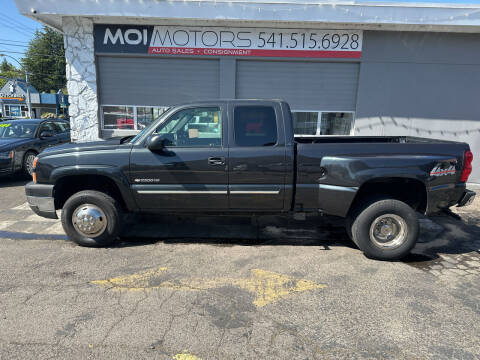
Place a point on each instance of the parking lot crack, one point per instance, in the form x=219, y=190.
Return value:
x=123, y=317
x=29, y=297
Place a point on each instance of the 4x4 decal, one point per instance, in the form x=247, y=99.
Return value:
x=439, y=170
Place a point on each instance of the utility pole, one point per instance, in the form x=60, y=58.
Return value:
x=29, y=104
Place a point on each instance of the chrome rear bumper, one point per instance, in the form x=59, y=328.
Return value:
x=467, y=198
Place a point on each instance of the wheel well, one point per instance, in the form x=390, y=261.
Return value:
x=410, y=191
x=69, y=185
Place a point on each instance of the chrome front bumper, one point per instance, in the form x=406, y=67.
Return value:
x=41, y=201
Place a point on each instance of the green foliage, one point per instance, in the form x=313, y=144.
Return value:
x=9, y=71
x=45, y=60
x=6, y=66
x=48, y=115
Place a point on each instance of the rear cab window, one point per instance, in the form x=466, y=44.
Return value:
x=255, y=126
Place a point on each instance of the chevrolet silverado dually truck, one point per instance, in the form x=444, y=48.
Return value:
x=241, y=157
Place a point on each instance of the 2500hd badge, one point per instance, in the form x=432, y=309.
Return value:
x=241, y=157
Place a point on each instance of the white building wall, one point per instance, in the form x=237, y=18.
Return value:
x=81, y=78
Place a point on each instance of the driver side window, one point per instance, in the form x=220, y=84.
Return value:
x=193, y=127
x=48, y=126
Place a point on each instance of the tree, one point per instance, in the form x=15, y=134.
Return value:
x=6, y=66
x=45, y=60
x=7, y=70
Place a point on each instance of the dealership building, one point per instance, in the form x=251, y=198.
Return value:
x=346, y=68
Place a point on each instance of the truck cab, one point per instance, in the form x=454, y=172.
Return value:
x=228, y=156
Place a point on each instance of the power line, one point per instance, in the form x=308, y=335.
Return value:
x=23, y=33
x=17, y=23
x=16, y=28
x=2, y=43
x=46, y=56
x=38, y=74
x=15, y=41
x=12, y=52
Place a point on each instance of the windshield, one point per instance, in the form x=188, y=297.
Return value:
x=146, y=129
x=12, y=130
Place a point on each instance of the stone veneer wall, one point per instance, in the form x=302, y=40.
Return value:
x=81, y=78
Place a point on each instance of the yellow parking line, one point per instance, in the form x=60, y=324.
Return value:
x=186, y=356
x=266, y=286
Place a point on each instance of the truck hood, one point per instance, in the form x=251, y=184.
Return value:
x=88, y=146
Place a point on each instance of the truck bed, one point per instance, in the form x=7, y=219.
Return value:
x=331, y=169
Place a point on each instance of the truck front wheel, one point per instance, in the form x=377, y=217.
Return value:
x=385, y=229
x=92, y=218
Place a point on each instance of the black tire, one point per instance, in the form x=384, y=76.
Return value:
x=106, y=204
x=404, y=220
x=27, y=165
x=348, y=226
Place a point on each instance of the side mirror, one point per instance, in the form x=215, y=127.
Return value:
x=46, y=134
x=157, y=142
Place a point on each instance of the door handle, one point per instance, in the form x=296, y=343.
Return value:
x=216, y=160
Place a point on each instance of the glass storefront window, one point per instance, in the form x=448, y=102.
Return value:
x=336, y=123
x=130, y=117
x=146, y=115
x=24, y=109
x=15, y=110
x=305, y=123
x=118, y=117
x=331, y=122
x=20, y=111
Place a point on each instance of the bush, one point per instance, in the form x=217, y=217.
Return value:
x=49, y=115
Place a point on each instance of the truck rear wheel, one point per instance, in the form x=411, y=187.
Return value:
x=385, y=229
x=92, y=218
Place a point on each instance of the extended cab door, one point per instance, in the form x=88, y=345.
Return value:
x=190, y=173
x=257, y=157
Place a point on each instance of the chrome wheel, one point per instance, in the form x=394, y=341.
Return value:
x=89, y=220
x=29, y=163
x=388, y=231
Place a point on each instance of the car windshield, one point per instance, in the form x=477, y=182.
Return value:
x=17, y=130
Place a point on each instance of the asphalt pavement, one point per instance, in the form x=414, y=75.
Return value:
x=235, y=288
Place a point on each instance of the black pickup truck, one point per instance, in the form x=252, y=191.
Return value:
x=241, y=156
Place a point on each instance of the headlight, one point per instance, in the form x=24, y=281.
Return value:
x=6, y=154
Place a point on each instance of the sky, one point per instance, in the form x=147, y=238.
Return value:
x=17, y=30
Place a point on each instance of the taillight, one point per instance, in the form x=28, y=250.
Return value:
x=467, y=166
